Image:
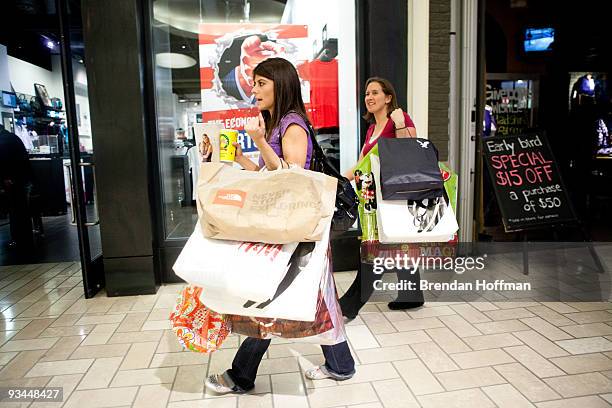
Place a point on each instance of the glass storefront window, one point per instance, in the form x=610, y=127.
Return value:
x=205, y=52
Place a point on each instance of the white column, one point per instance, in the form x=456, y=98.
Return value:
x=418, y=64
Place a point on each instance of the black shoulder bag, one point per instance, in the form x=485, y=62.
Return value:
x=347, y=203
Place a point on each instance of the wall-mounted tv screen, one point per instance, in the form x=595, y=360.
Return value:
x=538, y=39
x=9, y=99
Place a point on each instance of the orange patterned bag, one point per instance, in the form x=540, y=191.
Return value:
x=197, y=327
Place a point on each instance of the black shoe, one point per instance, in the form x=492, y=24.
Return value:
x=397, y=305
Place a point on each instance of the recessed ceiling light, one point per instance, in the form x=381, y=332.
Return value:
x=50, y=45
x=174, y=60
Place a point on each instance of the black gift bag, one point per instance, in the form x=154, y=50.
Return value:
x=409, y=169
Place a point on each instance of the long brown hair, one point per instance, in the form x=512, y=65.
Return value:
x=287, y=91
x=388, y=90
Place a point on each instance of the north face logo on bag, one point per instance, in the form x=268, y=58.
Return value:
x=230, y=197
x=424, y=145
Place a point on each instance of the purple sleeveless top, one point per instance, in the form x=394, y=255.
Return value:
x=275, y=142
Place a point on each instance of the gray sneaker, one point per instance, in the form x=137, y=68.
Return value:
x=219, y=383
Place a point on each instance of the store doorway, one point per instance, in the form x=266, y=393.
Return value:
x=44, y=86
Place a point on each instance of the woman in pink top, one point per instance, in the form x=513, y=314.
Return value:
x=386, y=117
x=387, y=120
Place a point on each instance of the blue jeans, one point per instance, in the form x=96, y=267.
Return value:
x=338, y=362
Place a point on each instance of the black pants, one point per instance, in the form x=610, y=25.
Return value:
x=338, y=361
x=19, y=216
x=363, y=286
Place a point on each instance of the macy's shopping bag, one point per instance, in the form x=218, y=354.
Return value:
x=278, y=207
x=248, y=270
x=327, y=327
x=430, y=220
x=296, y=295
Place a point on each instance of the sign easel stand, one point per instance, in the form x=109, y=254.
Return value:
x=585, y=236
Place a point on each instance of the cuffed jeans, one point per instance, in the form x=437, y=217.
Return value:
x=338, y=362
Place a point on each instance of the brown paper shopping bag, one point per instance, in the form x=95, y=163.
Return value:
x=278, y=207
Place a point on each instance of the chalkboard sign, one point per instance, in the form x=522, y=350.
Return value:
x=527, y=182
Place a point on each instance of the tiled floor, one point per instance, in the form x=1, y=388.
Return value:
x=120, y=352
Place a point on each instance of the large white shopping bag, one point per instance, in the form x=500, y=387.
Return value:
x=296, y=296
x=398, y=221
x=249, y=270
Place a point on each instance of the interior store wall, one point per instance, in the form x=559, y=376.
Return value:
x=5, y=83
x=24, y=75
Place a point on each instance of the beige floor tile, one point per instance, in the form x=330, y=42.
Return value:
x=63, y=349
x=398, y=339
x=546, y=329
x=137, y=337
x=132, y=322
x=589, y=330
x=100, y=374
x=222, y=359
x=101, y=351
x=289, y=391
x=506, y=396
x=384, y=354
x=361, y=337
x=423, y=383
x=541, y=344
x=100, y=334
x=528, y=384
x=115, y=397
x=457, y=399
x=144, y=377
x=169, y=343
x=585, y=402
x=139, y=356
x=585, y=363
x=14, y=325
x=342, y=395
x=255, y=401
x=434, y=357
x=100, y=319
x=159, y=314
x=178, y=359
x=471, y=378
x=590, y=306
x=447, y=340
x=586, y=345
x=20, y=364
x=51, y=368
x=225, y=402
x=277, y=365
x=189, y=383
x=431, y=310
x=5, y=358
x=533, y=361
x=34, y=329
x=470, y=313
x=580, y=384
x=460, y=326
x=590, y=317
x=157, y=325
x=67, y=331
x=67, y=382
x=25, y=345
x=483, y=358
x=490, y=341
x=152, y=396
x=418, y=324
x=395, y=394
x=509, y=314
x=66, y=320
x=293, y=350
x=372, y=372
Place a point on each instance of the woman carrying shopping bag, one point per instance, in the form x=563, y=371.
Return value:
x=281, y=135
x=387, y=121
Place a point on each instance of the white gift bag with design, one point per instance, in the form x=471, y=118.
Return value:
x=404, y=221
x=249, y=270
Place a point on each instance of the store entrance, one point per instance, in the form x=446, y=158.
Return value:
x=547, y=73
x=48, y=205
